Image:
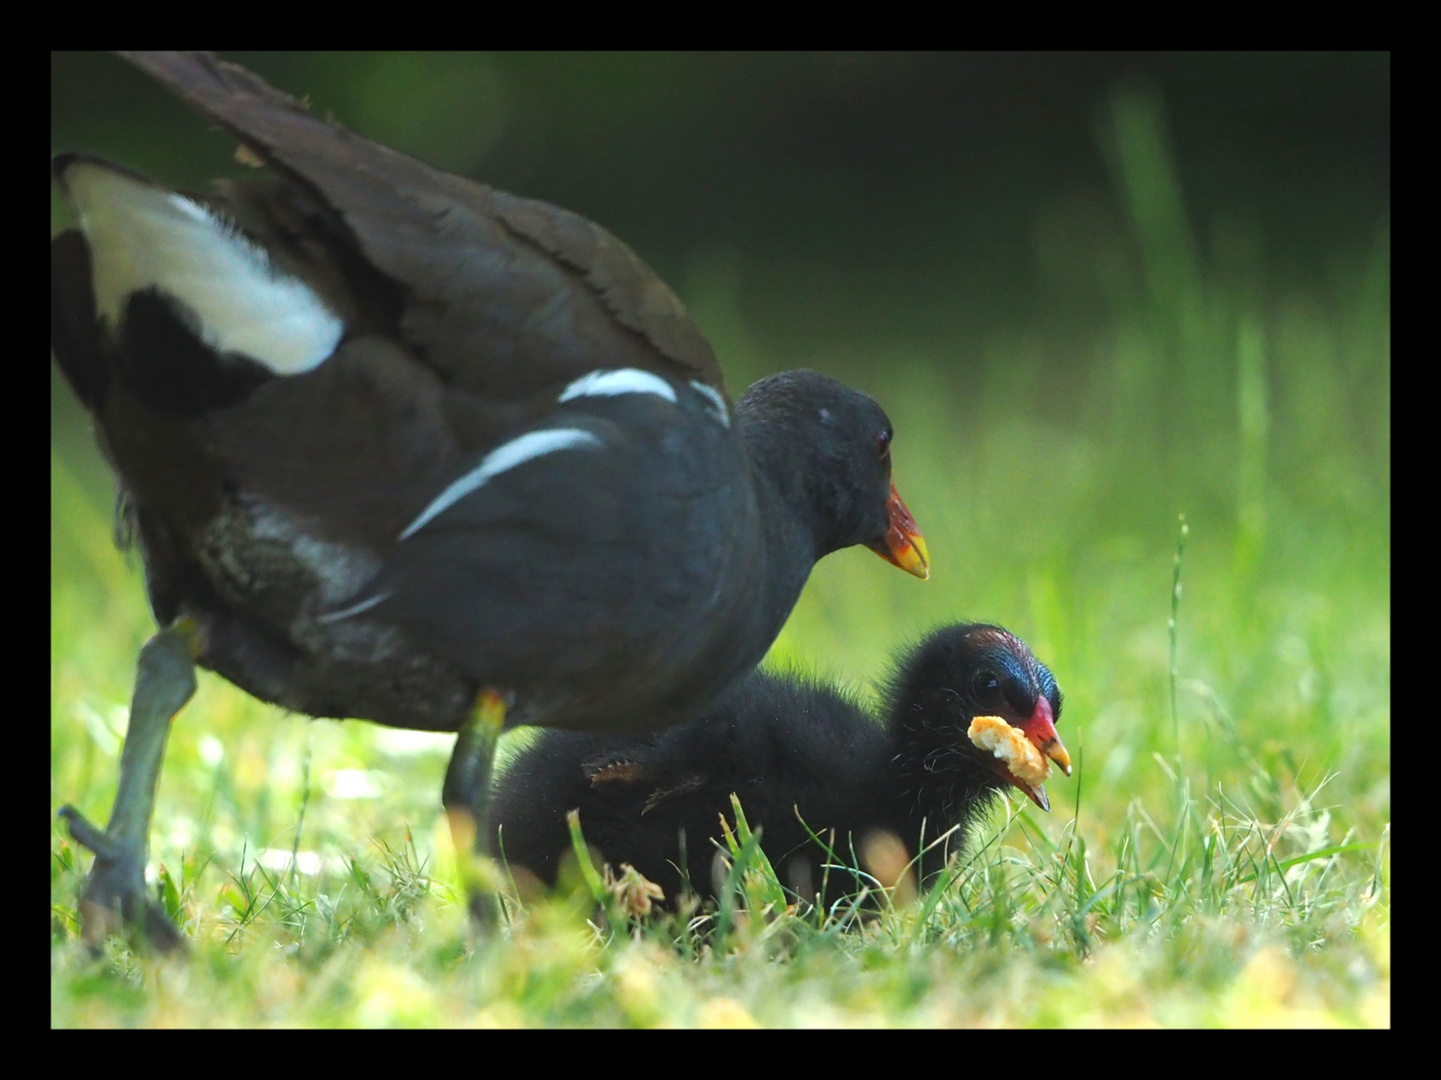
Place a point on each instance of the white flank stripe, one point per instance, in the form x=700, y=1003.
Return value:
x=721, y=412
x=518, y=451
x=142, y=237
x=353, y=609
x=619, y=381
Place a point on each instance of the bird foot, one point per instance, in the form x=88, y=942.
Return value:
x=114, y=896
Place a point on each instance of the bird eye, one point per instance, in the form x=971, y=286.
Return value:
x=883, y=445
x=986, y=687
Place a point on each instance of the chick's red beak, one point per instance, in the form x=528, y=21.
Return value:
x=903, y=545
x=1041, y=730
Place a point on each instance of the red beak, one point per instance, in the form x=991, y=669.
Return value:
x=903, y=545
x=1041, y=730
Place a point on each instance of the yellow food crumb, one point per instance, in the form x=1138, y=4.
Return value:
x=1010, y=745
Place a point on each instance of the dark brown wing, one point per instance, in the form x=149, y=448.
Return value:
x=505, y=295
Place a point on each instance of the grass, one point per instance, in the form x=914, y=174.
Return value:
x=1221, y=856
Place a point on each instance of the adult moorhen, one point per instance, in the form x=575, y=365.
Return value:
x=791, y=748
x=398, y=446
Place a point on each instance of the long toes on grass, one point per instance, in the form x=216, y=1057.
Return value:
x=114, y=897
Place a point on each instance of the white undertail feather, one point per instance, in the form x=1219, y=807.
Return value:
x=142, y=236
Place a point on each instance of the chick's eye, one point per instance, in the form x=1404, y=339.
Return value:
x=986, y=687
x=883, y=445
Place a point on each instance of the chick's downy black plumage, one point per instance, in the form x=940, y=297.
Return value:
x=786, y=746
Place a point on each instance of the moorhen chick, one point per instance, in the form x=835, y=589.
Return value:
x=398, y=446
x=790, y=746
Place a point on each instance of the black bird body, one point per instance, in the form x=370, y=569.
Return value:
x=388, y=438
x=632, y=573
x=792, y=749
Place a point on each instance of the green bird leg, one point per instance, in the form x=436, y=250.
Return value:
x=466, y=798
x=114, y=895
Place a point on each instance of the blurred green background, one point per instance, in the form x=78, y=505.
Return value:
x=1093, y=291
